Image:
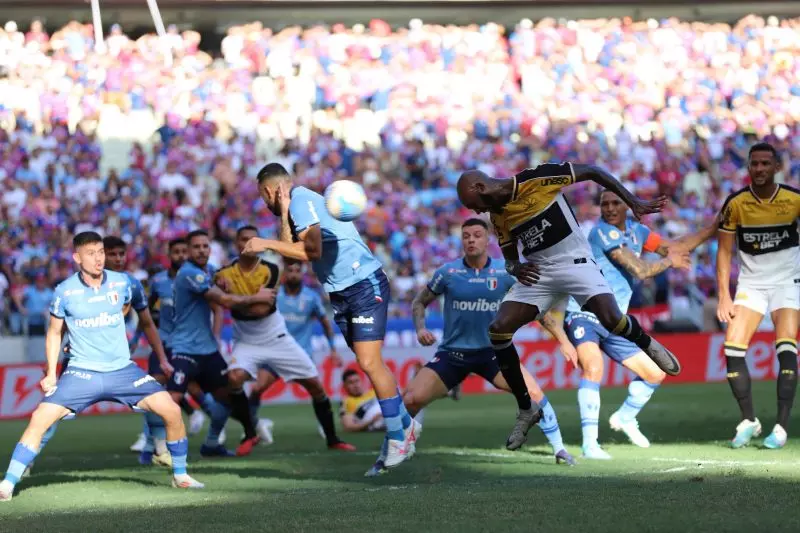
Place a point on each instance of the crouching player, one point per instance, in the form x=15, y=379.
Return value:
x=92, y=302
x=473, y=287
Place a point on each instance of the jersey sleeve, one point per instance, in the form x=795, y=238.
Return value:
x=58, y=303
x=438, y=283
x=730, y=218
x=548, y=176
x=138, y=296
x=303, y=211
x=608, y=237
x=198, y=281
x=273, y=275
x=501, y=229
x=652, y=241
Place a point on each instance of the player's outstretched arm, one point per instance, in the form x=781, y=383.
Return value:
x=421, y=301
x=307, y=248
x=641, y=269
x=689, y=242
x=604, y=179
x=556, y=329
x=725, y=309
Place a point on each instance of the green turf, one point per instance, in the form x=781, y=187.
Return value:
x=461, y=480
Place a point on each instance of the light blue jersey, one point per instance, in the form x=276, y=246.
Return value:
x=471, y=299
x=138, y=295
x=299, y=310
x=192, y=333
x=161, y=288
x=95, y=323
x=345, y=260
x=605, y=238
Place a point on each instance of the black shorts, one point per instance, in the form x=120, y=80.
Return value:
x=454, y=367
x=208, y=370
x=154, y=365
x=361, y=310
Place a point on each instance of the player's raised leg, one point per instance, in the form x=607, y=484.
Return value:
x=605, y=308
x=161, y=405
x=786, y=324
x=42, y=419
x=512, y=316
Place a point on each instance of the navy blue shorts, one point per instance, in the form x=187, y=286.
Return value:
x=207, y=370
x=583, y=328
x=360, y=311
x=77, y=388
x=454, y=367
x=154, y=365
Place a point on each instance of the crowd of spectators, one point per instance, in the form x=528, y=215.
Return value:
x=669, y=106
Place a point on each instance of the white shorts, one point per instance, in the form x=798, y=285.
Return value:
x=282, y=354
x=764, y=300
x=582, y=281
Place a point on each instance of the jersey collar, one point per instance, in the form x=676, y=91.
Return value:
x=484, y=267
x=761, y=200
x=83, y=282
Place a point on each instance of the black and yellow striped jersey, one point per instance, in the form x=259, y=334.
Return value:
x=767, y=235
x=248, y=282
x=539, y=218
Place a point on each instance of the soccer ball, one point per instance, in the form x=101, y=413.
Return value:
x=345, y=200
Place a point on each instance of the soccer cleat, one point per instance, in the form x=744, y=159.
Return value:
x=222, y=437
x=162, y=459
x=140, y=443
x=455, y=393
x=146, y=458
x=264, y=430
x=662, y=357
x=216, y=451
x=342, y=446
x=631, y=430
x=777, y=439
x=377, y=469
x=563, y=456
x=6, y=490
x=594, y=451
x=746, y=430
x=526, y=419
x=399, y=451
x=247, y=445
x=196, y=422
x=185, y=481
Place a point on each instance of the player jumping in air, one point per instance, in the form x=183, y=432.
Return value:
x=617, y=243
x=530, y=209
x=92, y=302
x=195, y=355
x=355, y=281
x=263, y=340
x=473, y=287
x=762, y=218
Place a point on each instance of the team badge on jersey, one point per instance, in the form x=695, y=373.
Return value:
x=112, y=297
x=491, y=283
x=178, y=377
x=614, y=234
x=199, y=278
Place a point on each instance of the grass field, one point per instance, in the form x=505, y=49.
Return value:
x=461, y=479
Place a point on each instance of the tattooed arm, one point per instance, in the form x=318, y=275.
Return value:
x=688, y=243
x=421, y=301
x=641, y=269
x=556, y=329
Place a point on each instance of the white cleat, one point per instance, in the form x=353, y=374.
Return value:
x=594, y=451
x=185, y=481
x=264, y=431
x=196, y=422
x=777, y=439
x=399, y=451
x=140, y=443
x=631, y=430
x=745, y=431
x=162, y=459
x=6, y=491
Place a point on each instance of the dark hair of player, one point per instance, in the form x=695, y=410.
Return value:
x=270, y=171
x=347, y=373
x=475, y=222
x=175, y=242
x=248, y=227
x=86, y=237
x=111, y=242
x=195, y=233
x=291, y=261
x=763, y=147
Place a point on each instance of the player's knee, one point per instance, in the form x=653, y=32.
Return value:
x=501, y=327
x=169, y=411
x=237, y=377
x=655, y=376
x=413, y=401
x=370, y=364
x=593, y=370
x=314, y=388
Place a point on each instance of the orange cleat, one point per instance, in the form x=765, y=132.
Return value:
x=342, y=447
x=247, y=445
